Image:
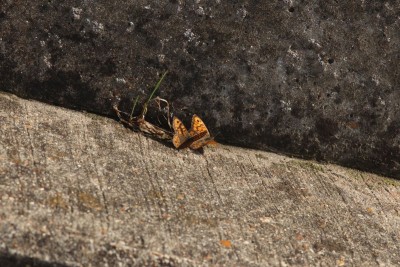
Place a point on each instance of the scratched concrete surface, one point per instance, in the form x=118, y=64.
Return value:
x=81, y=190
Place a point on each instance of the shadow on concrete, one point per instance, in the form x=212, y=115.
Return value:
x=15, y=260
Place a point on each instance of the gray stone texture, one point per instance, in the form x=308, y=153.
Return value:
x=82, y=190
x=315, y=79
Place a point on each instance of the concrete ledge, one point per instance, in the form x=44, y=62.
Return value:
x=81, y=190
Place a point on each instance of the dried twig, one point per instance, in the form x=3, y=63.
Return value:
x=139, y=123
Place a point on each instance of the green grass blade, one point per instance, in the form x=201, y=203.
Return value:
x=144, y=110
x=157, y=86
x=133, y=108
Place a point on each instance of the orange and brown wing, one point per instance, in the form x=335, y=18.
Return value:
x=198, y=127
x=203, y=142
x=191, y=140
x=181, y=134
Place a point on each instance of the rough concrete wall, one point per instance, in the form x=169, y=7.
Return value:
x=81, y=190
x=318, y=79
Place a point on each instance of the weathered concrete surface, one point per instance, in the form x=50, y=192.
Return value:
x=318, y=79
x=82, y=190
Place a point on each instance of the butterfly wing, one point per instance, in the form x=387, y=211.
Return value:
x=191, y=140
x=181, y=134
x=198, y=127
x=200, y=134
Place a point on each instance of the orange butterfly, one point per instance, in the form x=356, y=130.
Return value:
x=197, y=137
x=200, y=131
